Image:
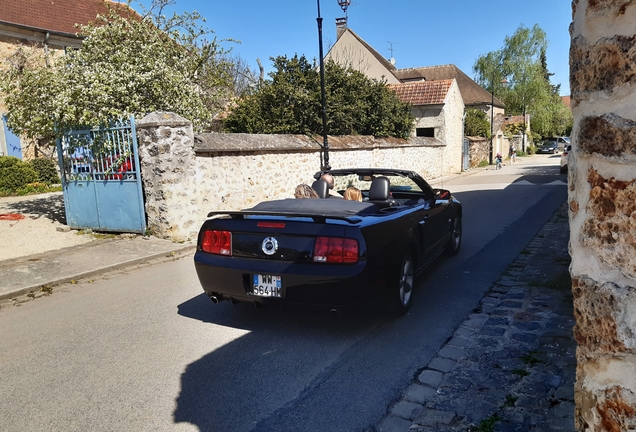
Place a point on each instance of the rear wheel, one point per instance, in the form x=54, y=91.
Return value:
x=452, y=247
x=402, y=292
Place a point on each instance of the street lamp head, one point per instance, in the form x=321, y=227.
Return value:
x=344, y=4
x=504, y=82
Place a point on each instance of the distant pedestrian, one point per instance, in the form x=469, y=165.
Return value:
x=513, y=155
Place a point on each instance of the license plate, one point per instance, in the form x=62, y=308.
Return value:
x=267, y=286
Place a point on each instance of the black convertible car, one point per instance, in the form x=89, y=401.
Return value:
x=331, y=251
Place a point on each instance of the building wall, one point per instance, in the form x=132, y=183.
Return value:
x=187, y=176
x=32, y=43
x=447, y=120
x=348, y=51
x=602, y=202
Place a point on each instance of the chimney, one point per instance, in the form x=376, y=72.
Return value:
x=341, y=26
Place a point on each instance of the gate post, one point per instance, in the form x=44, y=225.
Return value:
x=167, y=159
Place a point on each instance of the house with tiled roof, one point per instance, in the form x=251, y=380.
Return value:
x=45, y=26
x=473, y=95
x=437, y=104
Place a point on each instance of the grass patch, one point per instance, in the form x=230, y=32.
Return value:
x=531, y=358
x=483, y=163
x=563, y=260
x=562, y=281
x=96, y=235
x=488, y=424
x=510, y=401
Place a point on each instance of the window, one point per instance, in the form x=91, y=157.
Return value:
x=425, y=132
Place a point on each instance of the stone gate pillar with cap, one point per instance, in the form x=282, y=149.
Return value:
x=166, y=153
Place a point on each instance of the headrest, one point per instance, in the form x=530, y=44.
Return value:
x=321, y=187
x=380, y=189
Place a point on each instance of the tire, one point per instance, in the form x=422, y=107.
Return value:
x=402, y=289
x=452, y=247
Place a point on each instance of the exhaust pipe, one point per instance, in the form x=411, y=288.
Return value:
x=214, y=299
x=333, y=312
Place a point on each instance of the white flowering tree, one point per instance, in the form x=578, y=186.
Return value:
x=128, y=63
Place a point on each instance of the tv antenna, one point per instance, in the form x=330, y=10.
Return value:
x=392, y=60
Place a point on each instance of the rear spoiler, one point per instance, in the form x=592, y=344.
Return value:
x=319, y=218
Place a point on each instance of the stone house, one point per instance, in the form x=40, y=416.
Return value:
x=40, y=27
x=417, y=86
x=438, y=110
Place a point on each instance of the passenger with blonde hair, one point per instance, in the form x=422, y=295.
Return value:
x=305, y=191
x=352, y=194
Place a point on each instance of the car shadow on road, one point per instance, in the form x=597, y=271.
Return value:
x=240, y=384
x=50, y=207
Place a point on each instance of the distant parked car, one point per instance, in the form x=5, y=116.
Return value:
x=562, y=142
x=564, y=159
x=547, y=147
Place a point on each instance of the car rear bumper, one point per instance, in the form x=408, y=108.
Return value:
x=229, y=278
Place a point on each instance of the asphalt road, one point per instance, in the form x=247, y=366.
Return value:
x=146, y=350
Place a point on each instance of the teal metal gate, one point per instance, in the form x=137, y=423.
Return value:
x=101, y=179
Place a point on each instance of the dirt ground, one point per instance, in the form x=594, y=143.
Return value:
x=29, y=225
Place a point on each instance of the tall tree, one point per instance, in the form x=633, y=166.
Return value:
x=128, y=63
x=290, y=102
x=522, y=63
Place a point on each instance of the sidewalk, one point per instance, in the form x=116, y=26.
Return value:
x=510, y=366
x=38, y=273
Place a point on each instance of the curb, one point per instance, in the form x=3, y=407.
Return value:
x=157, y=257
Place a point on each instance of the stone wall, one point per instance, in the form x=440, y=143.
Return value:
x=186, y=176
x=479, y=150
x=602, y=201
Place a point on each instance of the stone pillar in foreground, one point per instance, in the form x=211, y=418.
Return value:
x=602, y=201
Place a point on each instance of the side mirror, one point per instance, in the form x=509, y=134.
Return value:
x=442, y=194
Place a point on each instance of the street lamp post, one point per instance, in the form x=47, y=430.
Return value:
x=492, y=117
x=325, y=140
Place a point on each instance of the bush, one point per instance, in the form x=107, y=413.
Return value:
x=46, y=169
x=521, y=153
x=8, y=161
x=531, y=149
x=16, y=176
x=483, y=164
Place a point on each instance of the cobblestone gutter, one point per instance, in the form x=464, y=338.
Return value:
x=510, y=366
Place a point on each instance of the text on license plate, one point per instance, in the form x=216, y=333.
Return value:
x=267, y=286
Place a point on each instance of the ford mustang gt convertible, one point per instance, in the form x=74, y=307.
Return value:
x=329, y=251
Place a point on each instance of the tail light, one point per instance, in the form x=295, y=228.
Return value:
x=336, y=250
x=217, y=242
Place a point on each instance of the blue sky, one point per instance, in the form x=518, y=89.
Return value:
x=421, y=32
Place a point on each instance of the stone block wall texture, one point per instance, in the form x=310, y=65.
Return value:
x=186, y=176
x=602, y=202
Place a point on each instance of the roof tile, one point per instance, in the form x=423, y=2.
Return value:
x=423, y=92
x=53, y=15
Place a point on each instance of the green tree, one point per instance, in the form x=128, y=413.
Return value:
x=521, y=62
x=290, y=102
x=127, y=64
x=476, y=123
